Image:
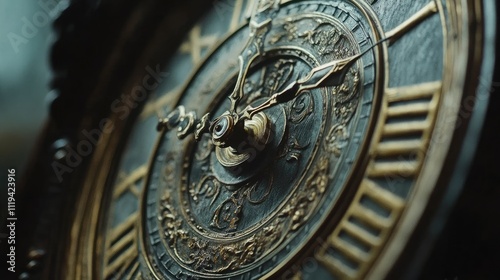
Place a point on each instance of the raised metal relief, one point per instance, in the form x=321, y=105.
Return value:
x=209, y=255
x=301, y=108
x=336, y=139
x=324, y=37
x=302, y=204
x=292, y=151
x=208, y=188
x=220, y=218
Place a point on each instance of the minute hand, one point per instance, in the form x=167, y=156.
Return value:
x=329, y=74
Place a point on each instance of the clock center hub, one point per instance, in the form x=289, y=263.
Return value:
x=243, y=149
x=255, y=134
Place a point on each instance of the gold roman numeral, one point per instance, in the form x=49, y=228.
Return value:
x=235, y=18
x=196, y=43
x=359, y=235
x=128, y=183
x=120, y=257
x=409, y=118
x=429, y=10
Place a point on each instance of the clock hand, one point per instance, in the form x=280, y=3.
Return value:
x=260, y=24
x=228, y=129
x=330, y=74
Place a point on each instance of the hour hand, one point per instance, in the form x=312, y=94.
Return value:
x=252, y=50
x=329, y=74
x=260, y=24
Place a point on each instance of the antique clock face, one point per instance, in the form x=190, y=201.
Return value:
x=283, y=139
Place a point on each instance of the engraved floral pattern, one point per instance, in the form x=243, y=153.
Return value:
x=215, y=257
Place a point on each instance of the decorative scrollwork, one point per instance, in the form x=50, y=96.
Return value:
x=349, y=89
x=293, y=150
x=302, y=204
x=254, y=189
x=325, y=40
x=289, y=32
x=218, y=256
x=279, y=76
x=336, y=140
x=208, y=187
x=205, y=148
x=302, y=107
x=208, y=256
x=227, y=214
x=324, y=37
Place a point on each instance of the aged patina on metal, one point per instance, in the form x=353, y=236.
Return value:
x=325, y=127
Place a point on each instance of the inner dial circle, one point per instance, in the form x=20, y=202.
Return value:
x=221, y=220
x=226, y=202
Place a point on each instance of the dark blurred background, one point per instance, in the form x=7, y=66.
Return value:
x=26, y=35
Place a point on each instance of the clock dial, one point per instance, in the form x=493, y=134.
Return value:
x=240, y=211
x=296, y=138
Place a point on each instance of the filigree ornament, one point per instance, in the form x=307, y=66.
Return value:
x=271, y=79
x=324, y=37
x=303, y=203
x=205, y=148
x=302, y=107
x=292, y=151
x=337, y=139
x=289, y=32
x=208, y=256
x=279, y=75
x=349, y=89
x=208, y=187
x=216, y=257
x=212, y=224
x=227, y=214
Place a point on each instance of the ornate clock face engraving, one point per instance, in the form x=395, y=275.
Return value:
x=221, y=221
x=328, y=174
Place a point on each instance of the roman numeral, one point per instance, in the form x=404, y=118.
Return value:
x=249, y=8
x=235, y=18
x=409, y=115
x=429, y=10
x=354, y=242
x=128, y=183
x=120, y=257
x=196, y=43
x=407, y=119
